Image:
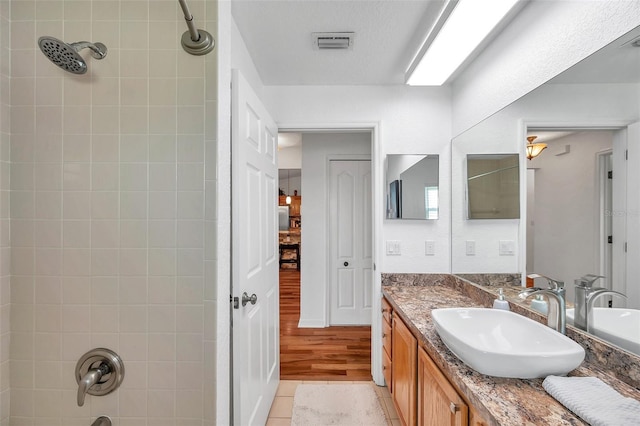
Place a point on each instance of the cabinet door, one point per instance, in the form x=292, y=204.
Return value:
x=404, y=371
x=438, y=402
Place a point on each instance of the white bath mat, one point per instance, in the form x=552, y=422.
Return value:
x=337, y=404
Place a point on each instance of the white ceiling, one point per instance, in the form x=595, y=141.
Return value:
x=388, y=33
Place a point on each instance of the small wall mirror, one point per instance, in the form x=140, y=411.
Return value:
x=493, y=186
x=412, y=186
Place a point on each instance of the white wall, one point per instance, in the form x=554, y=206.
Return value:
x=411, y=120
x=544, y=39
x=241, y=59
x=317, y=148
x=290, y=158
x=549, y=105
x=566, y=219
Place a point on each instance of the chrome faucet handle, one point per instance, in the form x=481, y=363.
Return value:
x=98, y=372
x=553, y=284
x=589, y=279
x=91, y=378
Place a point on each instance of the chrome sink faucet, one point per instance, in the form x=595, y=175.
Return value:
x=586, y=296
x=556, y=318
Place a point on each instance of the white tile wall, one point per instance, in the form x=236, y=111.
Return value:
x=111, y=201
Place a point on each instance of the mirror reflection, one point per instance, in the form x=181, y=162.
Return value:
x=493, y=186
x=412, y=186
x=580, y=200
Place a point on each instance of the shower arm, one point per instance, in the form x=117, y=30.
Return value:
x=188, y=17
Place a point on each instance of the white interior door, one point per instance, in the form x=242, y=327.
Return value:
x=619, y=201
x=255, y=326
x=351, y=246
x=632, y=289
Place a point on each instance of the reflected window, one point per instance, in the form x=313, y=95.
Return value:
x=431, y=201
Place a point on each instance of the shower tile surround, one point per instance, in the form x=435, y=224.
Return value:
x=113, y=177
x=415, y=294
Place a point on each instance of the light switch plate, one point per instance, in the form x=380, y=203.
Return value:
x=429, y=248
x=470, y=247
x=393, y=248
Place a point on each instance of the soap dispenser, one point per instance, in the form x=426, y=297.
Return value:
x=500, y=302
x=540, y=305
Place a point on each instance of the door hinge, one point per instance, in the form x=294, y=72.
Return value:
x=610, y=174
x=235, y=301
x=625, y=246
x=610, y=239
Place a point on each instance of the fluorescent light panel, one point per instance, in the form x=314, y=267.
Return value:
x=465, y=28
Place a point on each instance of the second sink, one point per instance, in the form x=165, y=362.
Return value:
x=620, y=326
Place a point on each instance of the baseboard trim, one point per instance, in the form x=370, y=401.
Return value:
x=311, y=324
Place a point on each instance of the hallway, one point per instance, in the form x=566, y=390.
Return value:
x=332, y=353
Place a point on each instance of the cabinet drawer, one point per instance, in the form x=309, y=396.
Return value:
x=386, y=370
x=386, y=311
x=386, y=338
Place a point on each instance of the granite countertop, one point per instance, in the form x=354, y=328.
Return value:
x=499, y=401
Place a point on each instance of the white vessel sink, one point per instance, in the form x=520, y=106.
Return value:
x=620, y=326
x=504, y=344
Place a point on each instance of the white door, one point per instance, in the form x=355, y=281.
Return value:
x=617, y=217
x=632, y=289
x=351, y=246
x=254, y=180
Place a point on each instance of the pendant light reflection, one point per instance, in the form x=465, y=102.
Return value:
x=534, y=149
x=288, y=199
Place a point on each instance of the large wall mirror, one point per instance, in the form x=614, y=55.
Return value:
x=580, y=197
x=412, y=186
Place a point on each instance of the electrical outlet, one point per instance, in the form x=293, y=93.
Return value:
x=393, y=248
x=471, y=248
x=429, y=248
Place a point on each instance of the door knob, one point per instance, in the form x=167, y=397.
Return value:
x=346, y=263
x=249, y=299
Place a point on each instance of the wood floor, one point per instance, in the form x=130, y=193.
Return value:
x=332, y=353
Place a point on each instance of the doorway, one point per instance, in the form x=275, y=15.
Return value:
x=310, y=348
x=570, y=229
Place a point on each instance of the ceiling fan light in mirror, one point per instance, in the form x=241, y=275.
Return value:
x=534, y=149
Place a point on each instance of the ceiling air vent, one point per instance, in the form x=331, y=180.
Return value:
x=333, y=41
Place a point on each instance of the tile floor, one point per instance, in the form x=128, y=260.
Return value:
x=280, y=414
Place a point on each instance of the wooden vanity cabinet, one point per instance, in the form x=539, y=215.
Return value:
x=386, y=343
x=421, y=393
x=404, y=371
x=438, y=402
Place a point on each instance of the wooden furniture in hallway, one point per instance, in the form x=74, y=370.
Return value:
x=332, y=353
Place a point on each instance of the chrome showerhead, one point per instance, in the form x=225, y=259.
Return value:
x=66, y=56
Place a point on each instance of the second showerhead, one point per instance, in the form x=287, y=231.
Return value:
x=66, y=56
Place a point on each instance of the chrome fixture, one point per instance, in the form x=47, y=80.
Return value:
x=586, y=296
x=102, y=421
x=557, y=317
x=66, y=56
x=98, y=372
x=194, y=41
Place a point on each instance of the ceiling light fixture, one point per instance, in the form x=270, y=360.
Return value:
x=460, y=29
x=534, y=149
x=288, y=199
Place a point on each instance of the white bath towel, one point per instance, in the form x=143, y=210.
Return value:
x=593, y=400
